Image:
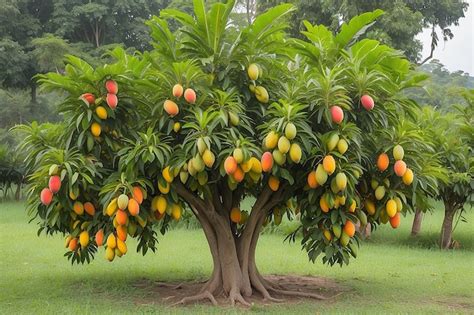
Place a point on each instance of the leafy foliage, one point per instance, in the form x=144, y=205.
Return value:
x=176, y=151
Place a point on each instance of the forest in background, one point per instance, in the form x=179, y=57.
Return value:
x=35, y=35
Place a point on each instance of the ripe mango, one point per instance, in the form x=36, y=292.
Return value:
x=235, y=215
x=253, y=71
x=391, y=208
x=176, y=211
x=176, y=127
x=99, y=237
x=133, y=207
x=230, y=165
x=395, y=220
x=271, y=140
x=329, y=164
x=84, y=239
x=78, y=208
x=407, y=178
x=295, y=153
x=111, y=86
x=171, y=108
x=121, y=246
x=399, y=203
x=323, y=204
x=112, y=100
x=164, y=189
x=109, y=254
x=101, y=112
x=400, y=168
x=382, y=162
x=96, y=130
x=261, y=94
x=190, y=96
x=111, y=241
x=274, y=183
x=238, y=175
x=337, y=114
x=208, y=158
x=112, y=207
x=121, y=217
x=178, y=90
x=311, y=179
x=367, y=102
x=267, y=162
x=46, y=196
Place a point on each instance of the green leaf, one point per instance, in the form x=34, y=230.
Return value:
x=356, y=27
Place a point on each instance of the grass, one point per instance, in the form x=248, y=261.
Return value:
x=393, y=273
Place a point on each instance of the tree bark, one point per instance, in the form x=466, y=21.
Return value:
x=18, y=192
x=33, y=92
x=416, y=227
x=447, y=227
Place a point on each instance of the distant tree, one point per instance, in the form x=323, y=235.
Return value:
x=402, y=21
x=443, y=88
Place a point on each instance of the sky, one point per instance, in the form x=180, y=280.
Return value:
x=457, y=53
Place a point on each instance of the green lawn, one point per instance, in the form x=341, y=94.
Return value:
x=392, y=274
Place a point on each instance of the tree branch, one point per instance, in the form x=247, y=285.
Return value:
x=433, y=45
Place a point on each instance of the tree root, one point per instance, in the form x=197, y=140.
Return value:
x=300, y=294
x=201, y=296
x=235, y=296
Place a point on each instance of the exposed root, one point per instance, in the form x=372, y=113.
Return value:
x=237, y=297
x=269, y=298
x=300, y=294
x=201, y=296
x=171, y=286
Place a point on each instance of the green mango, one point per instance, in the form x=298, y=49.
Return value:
x=345, y=239
x=362, y=217
x=321, y=175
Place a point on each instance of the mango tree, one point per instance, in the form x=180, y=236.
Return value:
x=213, y=115
x=452, y=134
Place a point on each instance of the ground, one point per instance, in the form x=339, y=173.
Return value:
x=393, y=273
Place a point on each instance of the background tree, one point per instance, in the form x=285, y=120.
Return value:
x=402, y=21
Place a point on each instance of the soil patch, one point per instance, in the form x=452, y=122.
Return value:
x=168, y=293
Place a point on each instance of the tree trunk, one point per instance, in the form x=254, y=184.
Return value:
x=235, y=272
x=447, y=227
x=33, y=92
x=18, y=192
x=416, y=227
